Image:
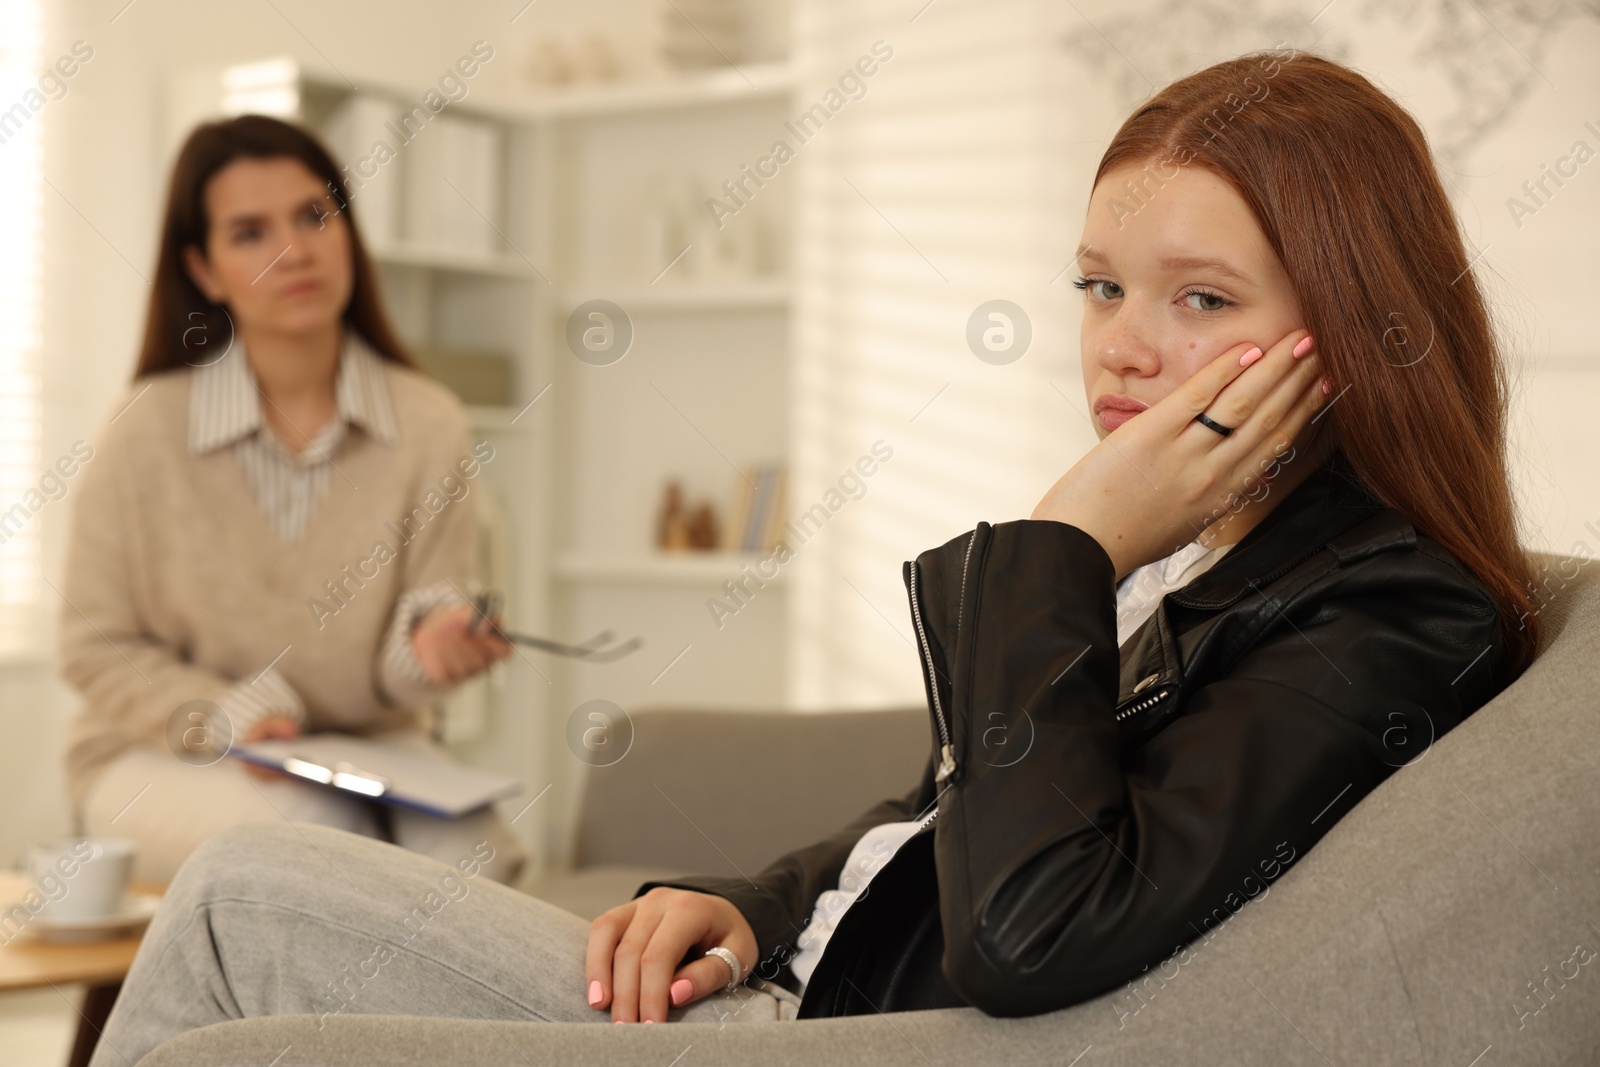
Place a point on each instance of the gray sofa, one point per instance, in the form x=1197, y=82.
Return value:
x=1452, y=918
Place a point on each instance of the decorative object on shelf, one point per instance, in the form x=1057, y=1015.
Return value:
x=476, y=376
x=553, y=65
x=679, y=529
x=547, y=65
x=666, y=221
x=697, y=34
x=595, y=60
x=703, y=531
x=759, y=508
x=728, y=251
x=673, y=218
x=672, y=528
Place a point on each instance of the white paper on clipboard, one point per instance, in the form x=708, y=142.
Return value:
x=382, y=771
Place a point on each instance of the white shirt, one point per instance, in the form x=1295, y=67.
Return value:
x=1137, y=596
x=1142, y=588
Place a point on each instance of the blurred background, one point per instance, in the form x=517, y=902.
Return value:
x=789, y=251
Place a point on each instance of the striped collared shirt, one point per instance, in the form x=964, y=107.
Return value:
x=225, y=410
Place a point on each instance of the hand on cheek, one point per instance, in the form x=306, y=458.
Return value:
x=1185, y=474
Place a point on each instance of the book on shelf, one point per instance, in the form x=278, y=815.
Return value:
x=756, y=524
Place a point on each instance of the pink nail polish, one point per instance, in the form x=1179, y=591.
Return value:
x=648, y=1021
x=681, y=990
x=1326, y=388
x=596, y=994
x=1249, y=357
x=1303, y=347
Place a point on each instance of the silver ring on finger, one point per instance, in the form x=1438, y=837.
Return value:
x=727, y=956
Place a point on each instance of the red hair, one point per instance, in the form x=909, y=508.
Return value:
x=1341, y=182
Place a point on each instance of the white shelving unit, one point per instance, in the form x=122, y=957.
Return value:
x=702, y=391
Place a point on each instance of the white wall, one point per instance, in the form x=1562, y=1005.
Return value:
x=962, y=176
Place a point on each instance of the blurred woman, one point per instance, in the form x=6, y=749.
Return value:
x=278, y=533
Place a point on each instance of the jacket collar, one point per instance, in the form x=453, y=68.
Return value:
x=1328, y=503
x=1330, y=511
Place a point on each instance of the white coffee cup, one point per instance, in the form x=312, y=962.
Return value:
x=81, y=878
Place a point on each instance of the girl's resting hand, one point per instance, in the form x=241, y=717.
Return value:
x=635, y=951
x=447, y=649
x=1154, y=483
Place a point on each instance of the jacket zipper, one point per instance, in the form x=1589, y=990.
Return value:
x=947, y=759
x=961, y=604
x=1147, y=702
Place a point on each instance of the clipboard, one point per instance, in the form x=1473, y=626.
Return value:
x=385, y=772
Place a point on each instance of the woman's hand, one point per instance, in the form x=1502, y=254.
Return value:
x=448, y=649
x=635, y=950
x=1154, y=483
x=273, y=726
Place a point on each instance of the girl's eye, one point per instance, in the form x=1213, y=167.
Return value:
x=1098, y=288
x=1205, y=300
x=246, y=233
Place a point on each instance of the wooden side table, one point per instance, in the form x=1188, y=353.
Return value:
x=32, y=963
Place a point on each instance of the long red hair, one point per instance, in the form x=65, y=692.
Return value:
x=1341, y=182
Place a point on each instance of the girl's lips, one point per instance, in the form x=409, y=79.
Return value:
x=302, y=288
x=1111, y=418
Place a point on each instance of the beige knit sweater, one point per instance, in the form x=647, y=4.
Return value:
x=176, y=587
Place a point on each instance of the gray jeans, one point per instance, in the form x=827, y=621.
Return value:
x=295, y=918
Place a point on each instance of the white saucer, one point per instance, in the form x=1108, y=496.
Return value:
x=137, y=910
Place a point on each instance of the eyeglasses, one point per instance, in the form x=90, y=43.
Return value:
x=488, y=606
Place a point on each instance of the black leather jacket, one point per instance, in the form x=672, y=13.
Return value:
x=1093, y=810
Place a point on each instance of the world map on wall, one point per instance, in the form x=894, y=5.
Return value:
x=1489, y=52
